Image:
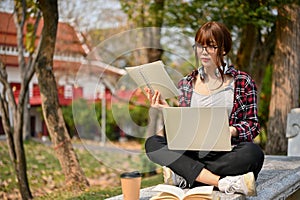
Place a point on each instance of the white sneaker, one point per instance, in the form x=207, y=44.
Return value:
x=171, y=178
x=244, y=184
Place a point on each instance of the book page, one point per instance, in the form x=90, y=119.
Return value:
x=169, y=191
x=198, y=197
x=164, y=196
x=176, y=191
x=155, y=77
x=200, y=190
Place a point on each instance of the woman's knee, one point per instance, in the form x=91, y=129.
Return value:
x=154, y=143
x=254, y=156
x=254, y=151
x=154, y=147
x=149, y=143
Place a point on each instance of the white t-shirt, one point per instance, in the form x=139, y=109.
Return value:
x=219, y=98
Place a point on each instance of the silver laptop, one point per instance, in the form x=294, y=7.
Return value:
x=197, y=128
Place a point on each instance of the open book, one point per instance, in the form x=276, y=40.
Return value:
x=155, y=77
x=170, y=192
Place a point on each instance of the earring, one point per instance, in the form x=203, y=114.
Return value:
x=202, y=73
x=217, y=73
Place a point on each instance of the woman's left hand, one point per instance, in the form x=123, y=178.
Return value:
x=233, y=131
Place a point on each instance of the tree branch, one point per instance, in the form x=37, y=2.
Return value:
x=28, y=74
x=19, y=26
x=7, y=88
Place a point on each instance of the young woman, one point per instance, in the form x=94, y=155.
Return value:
x=214, y=84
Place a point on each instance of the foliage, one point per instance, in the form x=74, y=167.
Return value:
x=190, y=14
x=144, y=13
x=236, y=14
x=87, y=126
x=68, y=117
x=82, y=121
x=263, y=106
x=231, y=12
x=32, y=11
x=139, y=115
x=112, y=130
x=264, y=97
x=132, y=124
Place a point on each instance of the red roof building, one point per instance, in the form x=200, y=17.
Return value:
x=70, y=53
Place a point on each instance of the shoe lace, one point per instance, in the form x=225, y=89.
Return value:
x=182, y=182
x=176, y=179
x=233, y=187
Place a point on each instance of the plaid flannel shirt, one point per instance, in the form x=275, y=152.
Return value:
x=244, y=112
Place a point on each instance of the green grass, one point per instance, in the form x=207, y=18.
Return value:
x=46, y=179
x=94, y=193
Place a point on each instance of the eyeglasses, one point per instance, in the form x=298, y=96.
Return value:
x=208, y=48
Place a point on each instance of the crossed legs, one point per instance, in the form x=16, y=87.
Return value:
x=245, y=157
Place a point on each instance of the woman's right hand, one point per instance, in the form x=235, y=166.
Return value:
x=155, y=99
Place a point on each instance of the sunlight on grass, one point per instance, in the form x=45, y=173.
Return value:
x=47, y=180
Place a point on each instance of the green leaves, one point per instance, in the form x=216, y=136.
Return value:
x=28, y=19
x=30, y=38
x=191, y=14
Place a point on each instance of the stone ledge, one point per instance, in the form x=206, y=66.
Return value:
x=279, y=178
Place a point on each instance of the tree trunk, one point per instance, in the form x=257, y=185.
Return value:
x=286, y=77
x=263, y=57
x=13, y=129
x=247, y=47
x=51, y=110
x=255, y=52
x=13, y=132
x=26, y=119
x=20, y=162
x=249, y=41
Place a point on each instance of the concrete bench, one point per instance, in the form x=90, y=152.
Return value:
x=293, y=132
x=279, y=179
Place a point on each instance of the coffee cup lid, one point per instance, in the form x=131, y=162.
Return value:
x=133, y=174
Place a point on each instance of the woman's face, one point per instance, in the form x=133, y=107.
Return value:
x=207, y=54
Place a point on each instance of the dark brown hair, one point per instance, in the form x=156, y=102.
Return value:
x=215, y=33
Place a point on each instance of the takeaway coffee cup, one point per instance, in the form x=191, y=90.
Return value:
x=131, y=183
